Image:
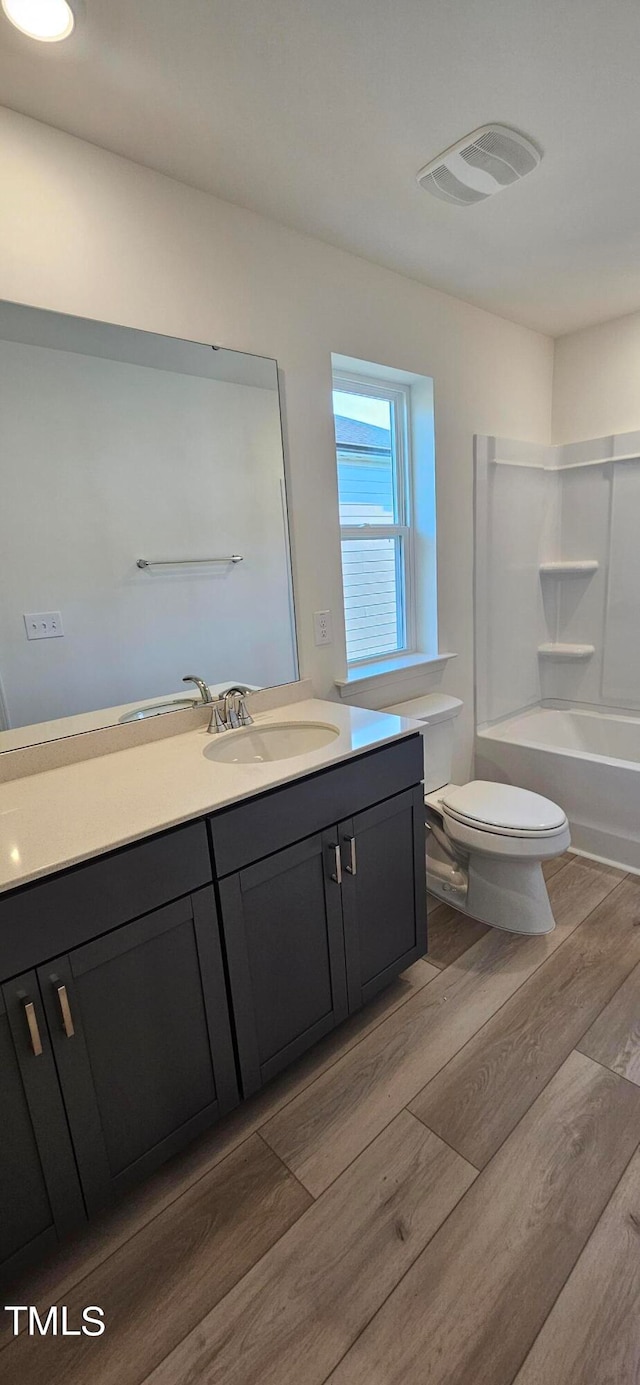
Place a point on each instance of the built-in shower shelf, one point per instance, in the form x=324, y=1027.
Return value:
x=581, y=568
x=566, y=651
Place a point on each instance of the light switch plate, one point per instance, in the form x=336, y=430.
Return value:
x=43, y=625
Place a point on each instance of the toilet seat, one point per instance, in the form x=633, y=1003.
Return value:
x=503, y=810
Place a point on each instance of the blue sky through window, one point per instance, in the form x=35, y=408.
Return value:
x=362, y=407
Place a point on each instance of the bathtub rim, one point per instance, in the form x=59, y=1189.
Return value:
x=618, y=848
x=491, y=731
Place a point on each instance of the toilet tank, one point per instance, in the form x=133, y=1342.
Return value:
x=438, y=713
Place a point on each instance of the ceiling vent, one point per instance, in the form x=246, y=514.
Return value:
x=482, y=163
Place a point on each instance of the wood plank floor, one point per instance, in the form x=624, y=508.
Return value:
x=474, y=1300
x=478, y=1098
x=329, y=1124
x=614, y=1038
x=304, y=1305
x=592, y=1335
x=446, y=1189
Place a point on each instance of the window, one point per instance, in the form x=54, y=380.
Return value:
x=374, y=489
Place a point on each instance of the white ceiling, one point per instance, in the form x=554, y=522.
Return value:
x=320, y=112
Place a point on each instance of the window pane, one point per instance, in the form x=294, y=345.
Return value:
x=366, y=462
x=370, y=580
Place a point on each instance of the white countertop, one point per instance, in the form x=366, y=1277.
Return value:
x=63, y=816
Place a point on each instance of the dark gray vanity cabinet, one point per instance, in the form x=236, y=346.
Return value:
x=40, y=1196
x=140, y=1032
x=141, y=985
x=314, y=929
x=282, y=922
x=116, y=1050
x=383, y=892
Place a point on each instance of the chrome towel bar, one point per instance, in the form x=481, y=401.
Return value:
x=185, y=562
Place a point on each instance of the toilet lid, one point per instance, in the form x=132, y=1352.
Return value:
x=503, y=808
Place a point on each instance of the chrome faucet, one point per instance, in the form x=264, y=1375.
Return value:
x=230, y=711
x=203, y=688
x=241, y=711
x=227, y=711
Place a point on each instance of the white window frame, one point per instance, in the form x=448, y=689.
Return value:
x=400, y=397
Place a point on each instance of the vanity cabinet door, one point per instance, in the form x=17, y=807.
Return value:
x=140, y=1029
x=282, y=923
x=383, y=892
x=40, y=1196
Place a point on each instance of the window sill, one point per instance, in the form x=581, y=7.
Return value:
x=402, y=669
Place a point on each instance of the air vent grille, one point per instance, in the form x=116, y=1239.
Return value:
x=513, y=151
x=444, y=184
x=479, y=158
x=486, y=161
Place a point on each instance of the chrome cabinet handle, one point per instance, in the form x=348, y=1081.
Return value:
x=337, y=874
x=352, y=867
x=65, y=1011
x=32, y=1022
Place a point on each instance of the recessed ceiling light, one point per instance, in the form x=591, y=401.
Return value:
x=47, y=20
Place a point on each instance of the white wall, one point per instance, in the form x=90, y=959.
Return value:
x=85, y=232
x=596, y=388
x=105, y=461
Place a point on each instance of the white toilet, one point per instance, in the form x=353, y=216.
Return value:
x=485, y=842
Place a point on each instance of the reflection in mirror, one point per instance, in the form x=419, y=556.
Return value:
x=143, y=525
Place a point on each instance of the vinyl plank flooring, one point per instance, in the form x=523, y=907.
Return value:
x=450, y=934
x=591, y=1336
x=578, y=889
x=160, y=1284
x=471, y=1305
x=332, y=1121
x=614, y=1038
x=295, y=1314
x=550, y=868
x=75, y=1259
x=480, y=1096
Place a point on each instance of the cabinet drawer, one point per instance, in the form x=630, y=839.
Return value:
x=55, y=915
x=264, y=825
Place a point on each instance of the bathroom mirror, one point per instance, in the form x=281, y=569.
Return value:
x=143, y=524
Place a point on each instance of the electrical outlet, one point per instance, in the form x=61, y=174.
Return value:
x=43, y=625
x=322, y=627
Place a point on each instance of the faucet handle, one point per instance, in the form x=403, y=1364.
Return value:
x=244, y=715
x=216, y=724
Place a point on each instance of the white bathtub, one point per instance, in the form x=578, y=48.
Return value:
x=587, y=761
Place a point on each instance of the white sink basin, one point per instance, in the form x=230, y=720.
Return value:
x=279, y=741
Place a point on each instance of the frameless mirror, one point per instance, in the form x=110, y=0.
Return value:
x=143, y=524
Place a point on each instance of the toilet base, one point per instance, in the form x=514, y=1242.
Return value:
x=510, y=895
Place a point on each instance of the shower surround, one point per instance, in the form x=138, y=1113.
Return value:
x=557, y=616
